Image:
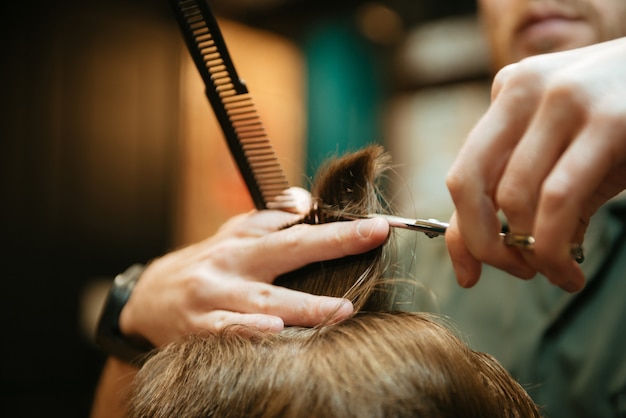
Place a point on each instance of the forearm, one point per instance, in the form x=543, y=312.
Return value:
x=112, y=389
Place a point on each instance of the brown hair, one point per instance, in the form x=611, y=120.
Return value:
x=349, y=184
x=375, y=364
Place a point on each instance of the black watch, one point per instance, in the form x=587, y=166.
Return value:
x=108, y=335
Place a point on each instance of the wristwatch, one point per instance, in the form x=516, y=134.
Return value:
x=108, y=335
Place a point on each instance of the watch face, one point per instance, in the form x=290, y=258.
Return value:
x=129, y=277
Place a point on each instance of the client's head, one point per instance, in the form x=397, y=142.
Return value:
x=375, y=364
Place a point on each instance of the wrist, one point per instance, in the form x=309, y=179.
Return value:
x=109, y=336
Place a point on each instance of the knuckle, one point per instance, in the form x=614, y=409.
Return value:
x=510, y=197
x=502, y=77
x=219, y=321
x=235, y=223
x=345, y=238
x=610, y=113
x=566, y=93
x=258, y=297
x=192, y=284
x=221, y=256
x=306, y=314
x=293, y=236
x=483, y=253
x=556, y=192
x=521, y=79
x=455, y=182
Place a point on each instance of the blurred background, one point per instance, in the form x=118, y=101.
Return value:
x=110, y=153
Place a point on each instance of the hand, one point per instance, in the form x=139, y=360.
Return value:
x=226, y=279
x=550, y=150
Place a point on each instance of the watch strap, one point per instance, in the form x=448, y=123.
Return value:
x=108, y=335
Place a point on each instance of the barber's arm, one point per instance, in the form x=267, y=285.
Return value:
x=550, y=150
x=227, y=279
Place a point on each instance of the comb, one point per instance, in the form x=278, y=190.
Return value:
x=232, y=104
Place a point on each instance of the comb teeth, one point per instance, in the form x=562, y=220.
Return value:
x=231, y=103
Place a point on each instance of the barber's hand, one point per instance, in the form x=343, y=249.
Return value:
x=549, y=152
x=227, y=278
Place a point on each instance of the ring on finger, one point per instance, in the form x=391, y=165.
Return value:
x=523, y=241
x=527, y=242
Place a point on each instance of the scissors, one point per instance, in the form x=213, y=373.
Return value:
x=433, y=228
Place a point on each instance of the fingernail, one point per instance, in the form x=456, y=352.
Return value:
x=336, y=307
x=271, y=324
x=572, y=285
x=462, y=274
x=366, y=227
x=329, y=305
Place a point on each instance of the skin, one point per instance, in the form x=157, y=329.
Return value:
x=516, y=29
x=227, y=279
x=551, y=149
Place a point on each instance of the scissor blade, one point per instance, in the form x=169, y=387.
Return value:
x=431, y=227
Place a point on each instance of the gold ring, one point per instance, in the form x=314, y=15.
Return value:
x=527, y=242
x=523, y=241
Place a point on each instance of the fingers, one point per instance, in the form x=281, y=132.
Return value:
x=226, y=279
x=295, y=247
x=466, y=268
x=475, y=175
x=534, y=158
x=216, y=320
x=256, y=224
x=311, y=313
x=287, y=208
x=522, y=185
x=294, y=199
x=278, y=305
x=562, y=170
x=587, y=175
x=247, y=265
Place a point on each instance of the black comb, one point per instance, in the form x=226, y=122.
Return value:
x=231, y=102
